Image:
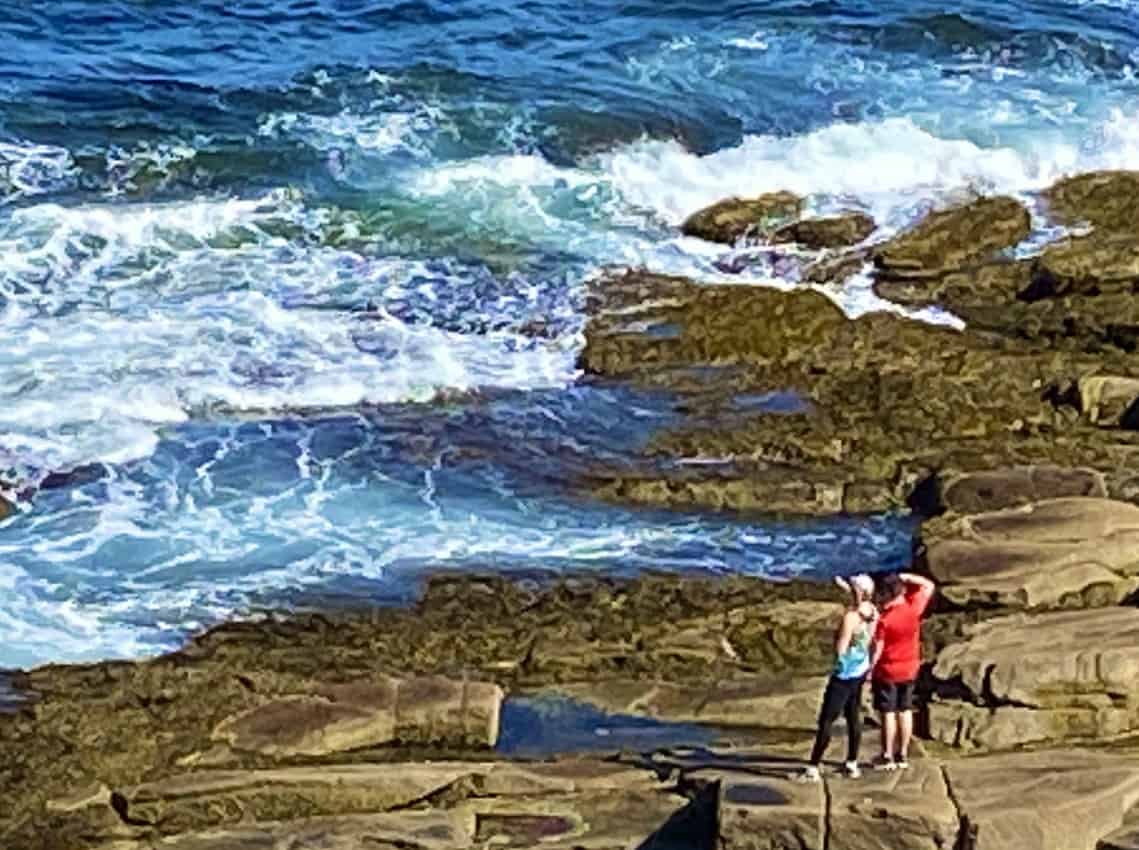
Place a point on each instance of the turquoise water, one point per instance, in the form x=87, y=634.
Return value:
x=296, y=286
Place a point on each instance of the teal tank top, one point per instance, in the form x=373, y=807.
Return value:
x=855, y=662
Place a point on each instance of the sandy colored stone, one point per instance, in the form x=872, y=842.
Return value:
x=365, y=714
x=997, y=489
x=734, y=218
x=1058, y=552
x=769, y=813
x=1110, y=400
x=1046, y=800
x=385, y=831
x=1053, y=660
x=966, y=726
x=784, y=702
x=907, y=810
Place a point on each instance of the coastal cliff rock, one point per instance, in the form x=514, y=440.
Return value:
x=1107, y=200
x=886, y=401
x=1036, y=678
x=1053, y=553
x=953, y=239
x=730, y=220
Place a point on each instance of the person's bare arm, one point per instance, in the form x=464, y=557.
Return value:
x=923, y=588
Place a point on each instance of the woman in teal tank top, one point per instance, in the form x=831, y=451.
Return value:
x=843, y=695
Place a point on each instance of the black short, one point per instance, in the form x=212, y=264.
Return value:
x=893, y=696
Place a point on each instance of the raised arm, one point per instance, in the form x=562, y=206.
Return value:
x=922, y=588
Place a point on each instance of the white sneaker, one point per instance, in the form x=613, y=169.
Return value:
x=851, y=770
x=810, y=774
x=901, y=763
x=884, y=763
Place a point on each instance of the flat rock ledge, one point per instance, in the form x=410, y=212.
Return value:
x=730, y=799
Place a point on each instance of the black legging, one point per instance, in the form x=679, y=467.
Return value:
x=842, y=696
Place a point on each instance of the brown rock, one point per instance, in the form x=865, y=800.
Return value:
x=1051, y=800
x=1125, y=838
x=909, y=810
x=730, y=220
x=767, y=813
x=306, y=726
x=1108, y=200
x=836, y=268
x=1102, y=262
x=838, y=231
x=1054, y=553
x=954, y=239
x=366, y=714
x=770, y=702
x=1048, y=677
x=993, y=490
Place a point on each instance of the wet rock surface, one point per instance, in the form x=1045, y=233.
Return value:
x=735, y=218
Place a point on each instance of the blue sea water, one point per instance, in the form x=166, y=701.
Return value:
x=296, y=285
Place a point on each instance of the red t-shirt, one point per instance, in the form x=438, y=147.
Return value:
x=899, y=634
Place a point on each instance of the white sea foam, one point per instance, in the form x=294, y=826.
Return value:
x=891, y=167
x=125, y=319
x=381, y=128
x=28, y=169
x=756, y=41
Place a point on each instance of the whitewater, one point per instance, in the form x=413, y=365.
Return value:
x=291, y=319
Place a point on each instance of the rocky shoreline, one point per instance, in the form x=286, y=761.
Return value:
x=378, y=728
x=1013, y=440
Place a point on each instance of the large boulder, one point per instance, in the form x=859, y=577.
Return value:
x=1045, y=800
x=732, y=219
x=1096, y=264
x=1107, y=200
x=837, y=231
x=956, y=238
x=1054, y=553
x=1044, y=677
x=997, y=489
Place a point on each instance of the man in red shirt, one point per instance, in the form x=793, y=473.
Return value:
x=897, y=658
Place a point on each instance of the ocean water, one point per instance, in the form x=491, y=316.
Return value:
x=292, y=288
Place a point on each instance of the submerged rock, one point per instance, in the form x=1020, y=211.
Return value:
x=732, y=219
x=837, y=231
x=953, y=239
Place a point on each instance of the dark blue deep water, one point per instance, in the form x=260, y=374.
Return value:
x=302, y=280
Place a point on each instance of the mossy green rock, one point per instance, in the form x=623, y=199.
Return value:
x=837, y=231
x=732, y=219
x=1107, y=200
x=954, y=239
x=1088, y=265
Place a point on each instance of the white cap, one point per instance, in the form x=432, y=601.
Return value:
x=863, y=584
